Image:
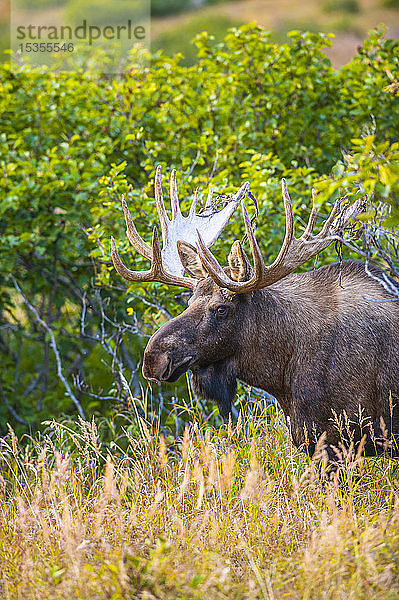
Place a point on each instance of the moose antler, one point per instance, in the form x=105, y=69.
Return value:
x=166, y=266
x=294, y=252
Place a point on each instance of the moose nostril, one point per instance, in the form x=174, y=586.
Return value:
x=149, y=365
x=156, y=367
x=167, y=369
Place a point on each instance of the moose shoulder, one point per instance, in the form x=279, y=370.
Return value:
x=325, y=343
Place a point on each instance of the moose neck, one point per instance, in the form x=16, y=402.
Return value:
x=283, y=320
x=266, y=343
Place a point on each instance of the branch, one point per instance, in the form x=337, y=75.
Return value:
x=153, y=304
x=33, y=385
x=11, y=409
x=54, y=347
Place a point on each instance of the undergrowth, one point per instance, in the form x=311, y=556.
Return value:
x=234, y=513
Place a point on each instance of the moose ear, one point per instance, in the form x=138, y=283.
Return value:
x=190, y=260
x=240, y=267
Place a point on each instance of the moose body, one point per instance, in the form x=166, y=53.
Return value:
x=321, y=342
x=325, y=343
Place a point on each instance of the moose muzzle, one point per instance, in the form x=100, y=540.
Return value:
x=160, y=366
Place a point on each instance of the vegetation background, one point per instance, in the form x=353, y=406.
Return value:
x=174, y=23
x=122, y=506
x=72, y=144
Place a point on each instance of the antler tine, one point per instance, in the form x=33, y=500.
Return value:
x=156, y=273
x=193, y=208
x=163, y=217
x=208, y=202
x=330, y=219
x=134, y=238
x=266, y=275
x=289, y=224
x=260, y=268
x=212, y=266
x=174, y=198
x=166, y=264
x=312, y=219
x=123, y=270
x=294, y=252
x=156, y=263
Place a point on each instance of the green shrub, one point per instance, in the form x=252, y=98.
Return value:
x=347, y=6
x=180, y=40
x=161, y=8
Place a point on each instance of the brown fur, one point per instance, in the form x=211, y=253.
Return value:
x=321, y=342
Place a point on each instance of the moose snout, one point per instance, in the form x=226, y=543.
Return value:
x=156, y=366
x=168, y=354
x=165, y=366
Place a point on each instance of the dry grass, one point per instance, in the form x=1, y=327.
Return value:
x=224, y=514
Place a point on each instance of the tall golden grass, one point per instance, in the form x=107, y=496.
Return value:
x=228, y=513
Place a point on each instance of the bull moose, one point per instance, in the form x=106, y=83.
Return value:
x=325, y=343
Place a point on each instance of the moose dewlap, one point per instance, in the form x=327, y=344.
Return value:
x=325, y=343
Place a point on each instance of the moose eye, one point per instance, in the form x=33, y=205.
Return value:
x=222, y=311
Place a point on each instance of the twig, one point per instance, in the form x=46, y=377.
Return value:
x=383, y=280
x=193, y=165
x=54, y=347
x=176, y=417
x=33, y=385
x=154, y=303
x=215, y=162
x=14, y=413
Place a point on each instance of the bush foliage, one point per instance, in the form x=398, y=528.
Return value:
x=71, y=144
x=180, y=39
